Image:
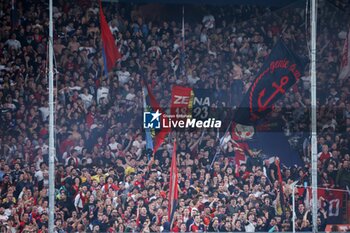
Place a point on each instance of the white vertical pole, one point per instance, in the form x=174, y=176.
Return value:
x=293, y=200
x=51, y=128
x=313, y=115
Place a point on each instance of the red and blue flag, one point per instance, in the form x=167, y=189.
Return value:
x=173, y=186
x=151, y=105
x=110, y=51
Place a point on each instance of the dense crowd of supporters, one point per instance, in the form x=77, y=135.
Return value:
x=105, y=181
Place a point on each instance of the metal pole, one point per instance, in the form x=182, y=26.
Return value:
x=313, y=115
x=51, y=128
x=293, y=200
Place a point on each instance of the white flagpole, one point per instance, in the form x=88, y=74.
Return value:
x=293, y=202
x=313, y=115
x=51, y=128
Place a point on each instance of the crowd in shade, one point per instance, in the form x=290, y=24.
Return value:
x=104, y=179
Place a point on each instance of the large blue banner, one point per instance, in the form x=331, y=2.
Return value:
x=281, y=70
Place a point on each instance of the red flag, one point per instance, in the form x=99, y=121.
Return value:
x=173, y=189
x=160, y=136
x=181, y=101
x=280, y=181
x=277, y=162
x=330, y=199
x=110, y=50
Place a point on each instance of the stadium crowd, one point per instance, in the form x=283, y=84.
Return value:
x=104, y=180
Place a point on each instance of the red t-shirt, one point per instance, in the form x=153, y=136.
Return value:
x=240, y=148
x=324, y=156
x=89, y=119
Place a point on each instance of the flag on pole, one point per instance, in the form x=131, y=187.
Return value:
x=149, y=140
x=181, y=102
x=281, y=70
x=173, y=186
x=151, y=105
x=280, y=181
x=345, y=59
x=110, y=51
x=330, y=199
x=223, y=140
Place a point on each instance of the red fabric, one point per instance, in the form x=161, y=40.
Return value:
x=113, y=186
x=277, y=162
x=324, y=156
x=138, y=220
x=181, y=97
x=173, y=189
x=83, y=198
x=76, y=189
x=66, y=144
x=110, y=49
x=333, y=199
x=89, y=119
x=194, y=228
x=206, y=220
x=160, y=137
x=176, y=228
x=43, y=132
x=239, y=147
x=69, y=65
x=275, y=30
x=244, y=175
x=162, y=194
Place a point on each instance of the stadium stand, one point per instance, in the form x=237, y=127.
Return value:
x=104, y=180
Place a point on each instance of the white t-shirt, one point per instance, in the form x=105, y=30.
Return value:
x=78, y=202
x=102, y=92
x=208, y=21
x=75, y=88
x=155, y=49
x=113, y=146
x=130, y=96
x=203, y=38
x=250, y=227
x=139, y=146
x=87, y=100
x=306, y=82
x=78, y=149
x=44, y=112
x=13, y=43
x=38, y=162
x=123, y=76
x=113, y=29
x=45, y=149
x=39, y=175
x=192, y=80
